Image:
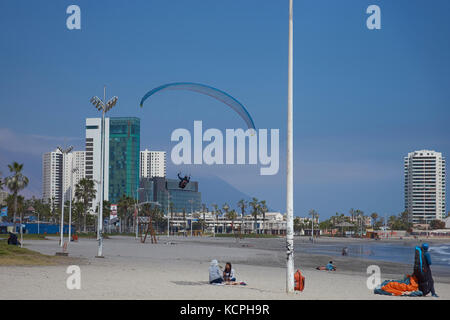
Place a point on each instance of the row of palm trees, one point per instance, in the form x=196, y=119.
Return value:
x=257, y=208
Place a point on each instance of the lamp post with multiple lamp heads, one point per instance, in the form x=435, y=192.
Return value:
x=103, y=106
x=61, y=230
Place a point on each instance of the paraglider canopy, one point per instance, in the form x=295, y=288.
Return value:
x=209, y=91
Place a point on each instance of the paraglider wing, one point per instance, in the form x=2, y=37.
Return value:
x=209, y=91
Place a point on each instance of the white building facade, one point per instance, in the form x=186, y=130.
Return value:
x=52, y=177
x=425, y=185
x=75, y=160
x=93, y=156
x=152, y=164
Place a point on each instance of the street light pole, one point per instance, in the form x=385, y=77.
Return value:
x=103, y=106
x=168, y=216
x=72, y=171
x=290, y=162
x=64, y=152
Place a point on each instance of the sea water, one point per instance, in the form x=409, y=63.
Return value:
x=402, y=252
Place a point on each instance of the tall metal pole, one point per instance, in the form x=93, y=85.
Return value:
x=168, y=217
x=102, y=180
x=70, y=203
x=290, y=163
x=61, y=229
x=137, y=213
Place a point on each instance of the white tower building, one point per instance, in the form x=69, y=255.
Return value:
x=93, y=156
x=52, y=177
x=425, y=186
x=152, y=164
x=79, y=163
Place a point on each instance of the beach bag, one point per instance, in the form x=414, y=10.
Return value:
x=299, y=281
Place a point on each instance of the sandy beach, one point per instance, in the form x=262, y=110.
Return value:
x=177, y=268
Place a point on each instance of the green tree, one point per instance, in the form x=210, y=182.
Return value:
x=255, y=211
x=225, y=208
x=374, y=217
x=15, y=183
x=85, y=193
x=263, y=209
x=231, y=215
x=437, y=224
x=242, y=204
x=125, y=209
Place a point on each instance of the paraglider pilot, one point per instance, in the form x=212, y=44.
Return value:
x=183, y=181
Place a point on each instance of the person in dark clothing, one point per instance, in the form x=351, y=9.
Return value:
x=183, y=181
x=12, y=240
x=426, y=253
x=422, y=270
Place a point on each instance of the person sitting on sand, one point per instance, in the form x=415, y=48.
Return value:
x=328, y=267
x=228, y=273
x=215, y=275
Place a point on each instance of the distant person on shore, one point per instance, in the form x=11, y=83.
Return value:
x=228, y=273
x=328, y=267
x=345, y=251
x=215, y=276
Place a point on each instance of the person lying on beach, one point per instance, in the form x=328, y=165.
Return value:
x=228, y=273
x=328, y=267
x=215, y=275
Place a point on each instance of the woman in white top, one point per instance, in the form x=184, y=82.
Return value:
x=228, y=273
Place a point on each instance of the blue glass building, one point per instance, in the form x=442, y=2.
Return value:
x=166, y=191
x=124, y=148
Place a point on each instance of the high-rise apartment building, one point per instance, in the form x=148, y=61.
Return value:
x=52, y=177
x=153, y=164
x=93, y=154
x=75, y=160
x=425, y=186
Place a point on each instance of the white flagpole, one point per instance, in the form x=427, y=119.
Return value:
x=290, y=163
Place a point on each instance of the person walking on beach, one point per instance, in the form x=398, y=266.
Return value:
x=215, y=275
x=228, y=273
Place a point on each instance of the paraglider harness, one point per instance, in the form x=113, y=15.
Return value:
x=299, y=281
x=183, y=181
x=12, y=240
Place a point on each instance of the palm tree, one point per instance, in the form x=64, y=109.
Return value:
x=263, y=209
x=125, y=208
x=85, y=193
x=231, y=215
x=216, y=212
x=15, y=183
x=225, y=208
x=256, y=209
x=242, y=204
x=352, y=214
x=374, y=217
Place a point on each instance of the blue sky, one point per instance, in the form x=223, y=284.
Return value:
x=363, y=99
